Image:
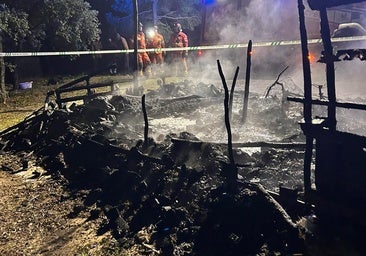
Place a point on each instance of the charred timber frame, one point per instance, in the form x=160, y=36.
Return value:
x=71, y=87
x=321, y=4
x=89, y=95
x=340, y=157
x=326, y=103
x=330, y=72
x=307, y=102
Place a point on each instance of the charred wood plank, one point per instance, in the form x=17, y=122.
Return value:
x=118, y=150
x=326, y=103
x=275, y=205
x=184, y=98
x=85, y=78
x=85, y=87
x=294, y=145
x=81, y=97
x=35, y=117
x=317, y=5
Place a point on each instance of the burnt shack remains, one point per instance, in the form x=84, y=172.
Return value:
x=170, y=194
x=339, y=194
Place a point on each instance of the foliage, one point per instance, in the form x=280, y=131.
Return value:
x=13, y=24
x=162, y=13
x=70, y=24
x=48, y=25
x=56, y=24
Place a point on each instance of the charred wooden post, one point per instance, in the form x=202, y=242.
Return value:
x=247, y=82
x=146, y=129
x=308, y=98
x=330, y=72
x=135, y=46
x=233, y=172
x=232, y=91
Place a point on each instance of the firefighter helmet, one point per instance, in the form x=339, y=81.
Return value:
x=177, y=27
x=140, y=26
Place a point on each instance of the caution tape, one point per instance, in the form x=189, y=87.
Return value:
x=191, y=48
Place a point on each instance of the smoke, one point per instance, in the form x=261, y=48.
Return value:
x=267, y=21
x=260, y=21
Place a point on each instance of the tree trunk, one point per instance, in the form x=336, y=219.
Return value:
x=3, y=94
x=155, y=11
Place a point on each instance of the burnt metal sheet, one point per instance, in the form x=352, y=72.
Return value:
x=319, y=4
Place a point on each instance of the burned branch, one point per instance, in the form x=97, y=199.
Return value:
x=275, y=83
x=232, y=91
x=232, y=172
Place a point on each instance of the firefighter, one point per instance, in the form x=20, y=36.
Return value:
x=155, y=40
x=179, y=39
x=143, y=60
x=121, y=43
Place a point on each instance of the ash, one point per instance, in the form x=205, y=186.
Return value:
x=169, y=195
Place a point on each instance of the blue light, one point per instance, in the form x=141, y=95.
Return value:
x=210, y=1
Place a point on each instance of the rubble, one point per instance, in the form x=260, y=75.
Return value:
x=167, y=195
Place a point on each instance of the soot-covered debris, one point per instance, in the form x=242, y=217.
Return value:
x=167, y=195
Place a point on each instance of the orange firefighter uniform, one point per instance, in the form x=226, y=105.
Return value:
x=156, y=41
x=143, y=59
x=179, y=39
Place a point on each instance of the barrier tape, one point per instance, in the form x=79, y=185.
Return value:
x=191, y=48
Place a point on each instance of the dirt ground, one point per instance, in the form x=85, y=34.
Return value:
x=39, y=217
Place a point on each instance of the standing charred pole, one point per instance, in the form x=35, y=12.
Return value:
x=135, y=46
x=232, y=173
x=232, y=92
x=308, y=98
x=247, y=82
x=330, y=73
x=146, y=129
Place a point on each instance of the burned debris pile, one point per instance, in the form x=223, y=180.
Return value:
x=163, y=196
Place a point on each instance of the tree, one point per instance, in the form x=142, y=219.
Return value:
x=13, y=27
x=52, y=25
x=69, y=25
x=156, y=12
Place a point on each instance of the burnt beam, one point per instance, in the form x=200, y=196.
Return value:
x=326, y=103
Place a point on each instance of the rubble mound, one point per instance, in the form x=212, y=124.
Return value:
x=168, y=195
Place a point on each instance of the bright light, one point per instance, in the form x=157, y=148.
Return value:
x=150, y=32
